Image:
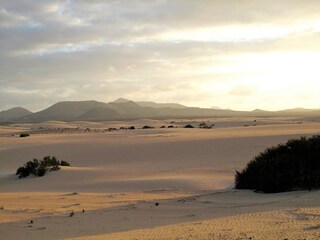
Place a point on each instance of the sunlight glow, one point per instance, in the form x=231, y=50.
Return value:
x=281, y=69
x=263, y=78
x=240, y=33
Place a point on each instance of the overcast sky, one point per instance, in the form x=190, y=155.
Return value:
x=239, y=54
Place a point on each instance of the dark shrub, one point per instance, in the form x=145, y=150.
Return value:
x=170, y=126
x=111, y=129
x=64, y=163
x=29, y=167
x=24, y=135
x=286, y=167
x=41, y=171
x=39, y=168
x=132, y=128
x=54, y=168
x=205, y=125
x=147, y=127
x=22, y=172
x=188, y=126
x=163, y=127
x=49, y=162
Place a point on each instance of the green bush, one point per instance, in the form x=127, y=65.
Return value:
x=286, y=167
x=39, y=168
x=50, y=161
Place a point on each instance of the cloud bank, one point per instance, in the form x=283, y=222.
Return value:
x=237, y=54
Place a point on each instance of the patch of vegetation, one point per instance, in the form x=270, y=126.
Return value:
x=24, y=135
x=147, y=127
x=205, y=125
x=188, y=126
x=132, y=128
x=40, y=167
x=64, y=163
x=286, y=167
x=111, y=129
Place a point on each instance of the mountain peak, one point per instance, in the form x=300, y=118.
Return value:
x=216, y=108
x=15, y=112
x=160, y=105
x=121, y=100
x=257, y=110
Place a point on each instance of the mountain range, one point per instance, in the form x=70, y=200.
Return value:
x=123, y=109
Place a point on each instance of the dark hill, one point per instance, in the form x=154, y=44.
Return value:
x=100, y=114
x=160, y=105
x=65, y=111
x=13, y=113
x=121, y=100
x=123, y=109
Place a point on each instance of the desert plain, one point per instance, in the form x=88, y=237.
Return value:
x=157, y=183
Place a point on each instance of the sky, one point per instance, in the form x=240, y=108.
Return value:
x=238, y=54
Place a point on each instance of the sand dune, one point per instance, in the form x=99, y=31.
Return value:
x=225, y=214
x=118, y=176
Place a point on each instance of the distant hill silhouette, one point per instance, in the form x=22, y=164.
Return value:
x=217, y=108
x=14, y=113
x=121, y=100
x=64, y=111
x=123, y=109
x=160, y=105
x=99, y=114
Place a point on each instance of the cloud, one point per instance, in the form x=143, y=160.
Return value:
x=242, y=90
x=194, y=52
x=10, y=19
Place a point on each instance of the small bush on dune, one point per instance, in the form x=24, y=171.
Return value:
x=54, y=168
x=29, y=167
x=39, y=168
x=41, y=171
x=188, y=126
x=49, y=161
x=64, y=163
x=205, y=125
x=24, y=135
x=286, y=167
x=147, y=127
